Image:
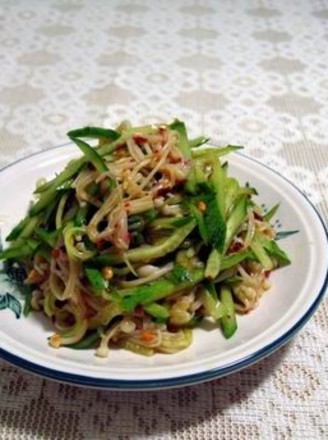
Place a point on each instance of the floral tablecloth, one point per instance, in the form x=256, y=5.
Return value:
x=245, y=72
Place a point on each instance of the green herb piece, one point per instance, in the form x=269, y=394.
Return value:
x=179, y=274
x=96, y=279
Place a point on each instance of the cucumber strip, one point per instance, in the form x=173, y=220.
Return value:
x=183, y=143
x=50, y=238
x=157, y=311
x=23, y=230
x=24, y=249
x=71, y=169
x=147, y=252
x=260, y=253
x=87, y=342
x=210, y=301
x=213, y=264
x=81, y=216
x=94, y=132
x=45, y=200
x=137, y=348
x=217, y=180
x=16, y=231
x=156, y=290
x=228, y=321
x=218, y=151
x=91, y=155
x=232, y=260
x=237, y=216
x=275, y=252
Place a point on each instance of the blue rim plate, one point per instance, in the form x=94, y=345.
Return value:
x=295, y=294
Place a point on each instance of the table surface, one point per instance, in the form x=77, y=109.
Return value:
x=244, y=72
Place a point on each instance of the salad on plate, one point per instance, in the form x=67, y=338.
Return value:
x=141, y=239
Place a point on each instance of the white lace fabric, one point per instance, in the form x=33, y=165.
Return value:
x=244, y=72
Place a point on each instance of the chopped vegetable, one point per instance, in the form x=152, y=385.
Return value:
x=228, y=320
x=96, y=279
x=91, y=155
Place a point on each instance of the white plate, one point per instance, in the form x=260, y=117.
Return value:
x=296, y=293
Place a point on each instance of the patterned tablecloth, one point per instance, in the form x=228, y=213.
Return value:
x=246, y=72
